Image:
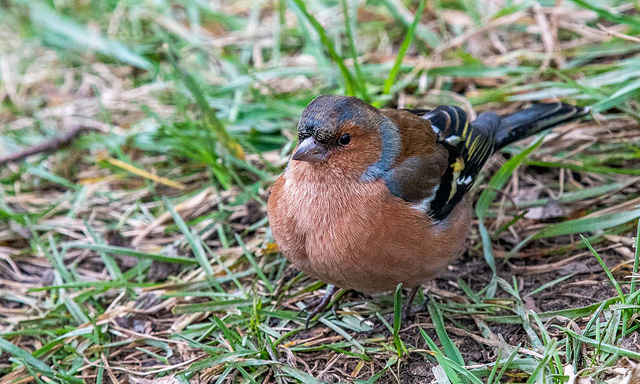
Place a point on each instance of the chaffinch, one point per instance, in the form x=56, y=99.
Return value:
x=372, y=197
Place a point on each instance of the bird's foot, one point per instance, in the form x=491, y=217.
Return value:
x=406, y=308
x=321, y=305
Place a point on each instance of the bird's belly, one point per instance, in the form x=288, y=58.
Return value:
x=365, y=239
x=381, y=259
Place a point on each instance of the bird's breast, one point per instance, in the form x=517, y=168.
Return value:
x=355, y=234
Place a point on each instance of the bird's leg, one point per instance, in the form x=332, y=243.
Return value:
x=406, y=310
x=331, y=289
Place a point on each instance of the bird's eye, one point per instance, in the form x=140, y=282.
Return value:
x=344, y=139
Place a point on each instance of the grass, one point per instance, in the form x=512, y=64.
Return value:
x=142, y=251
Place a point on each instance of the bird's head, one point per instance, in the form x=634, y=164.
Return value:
x=340, y=132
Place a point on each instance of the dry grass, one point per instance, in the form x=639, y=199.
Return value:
x=142, y=250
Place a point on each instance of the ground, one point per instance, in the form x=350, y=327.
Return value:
x=139, y=142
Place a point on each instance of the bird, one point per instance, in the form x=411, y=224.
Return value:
x=371, y=198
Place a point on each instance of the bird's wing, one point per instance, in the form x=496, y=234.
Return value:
x=420, y=164
x=468, y=145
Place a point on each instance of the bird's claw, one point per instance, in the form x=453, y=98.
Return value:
x=321, y=306
x=311, y=315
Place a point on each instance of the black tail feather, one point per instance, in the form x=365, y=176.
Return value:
x=535, y=119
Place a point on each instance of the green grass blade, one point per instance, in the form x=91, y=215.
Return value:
x=571, y=313
x=588, y=224
x=211, y=306
x=636, y=261
x=298, y=374
x=109, y=263
x=397, y=321
x=210, y=118
x=111, y=249
x=57, y=261
x=550, y=284
x=343, y=333
x=196, y=245
x=352, y=88
x=350, y=27
x=253, y=263
x=605, y=14
x=586, y=168
x=506, y=365
x=538, y=373
x=74, y=309
x=605, y=268
x=71, y=36
x=403, y=50
x=403, y=15
x=450, y=350
x=449, y=371
x=26, y=357
x=618, y=97
x=604, y=346
x=489, y=195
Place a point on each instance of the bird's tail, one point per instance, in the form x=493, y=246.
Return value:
x=530, y=121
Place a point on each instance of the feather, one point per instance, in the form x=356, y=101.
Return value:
x=473, y=143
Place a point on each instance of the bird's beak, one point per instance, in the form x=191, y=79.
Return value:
x=311, y=151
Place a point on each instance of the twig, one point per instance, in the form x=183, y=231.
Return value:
x=49, y=146
x=619, y=35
